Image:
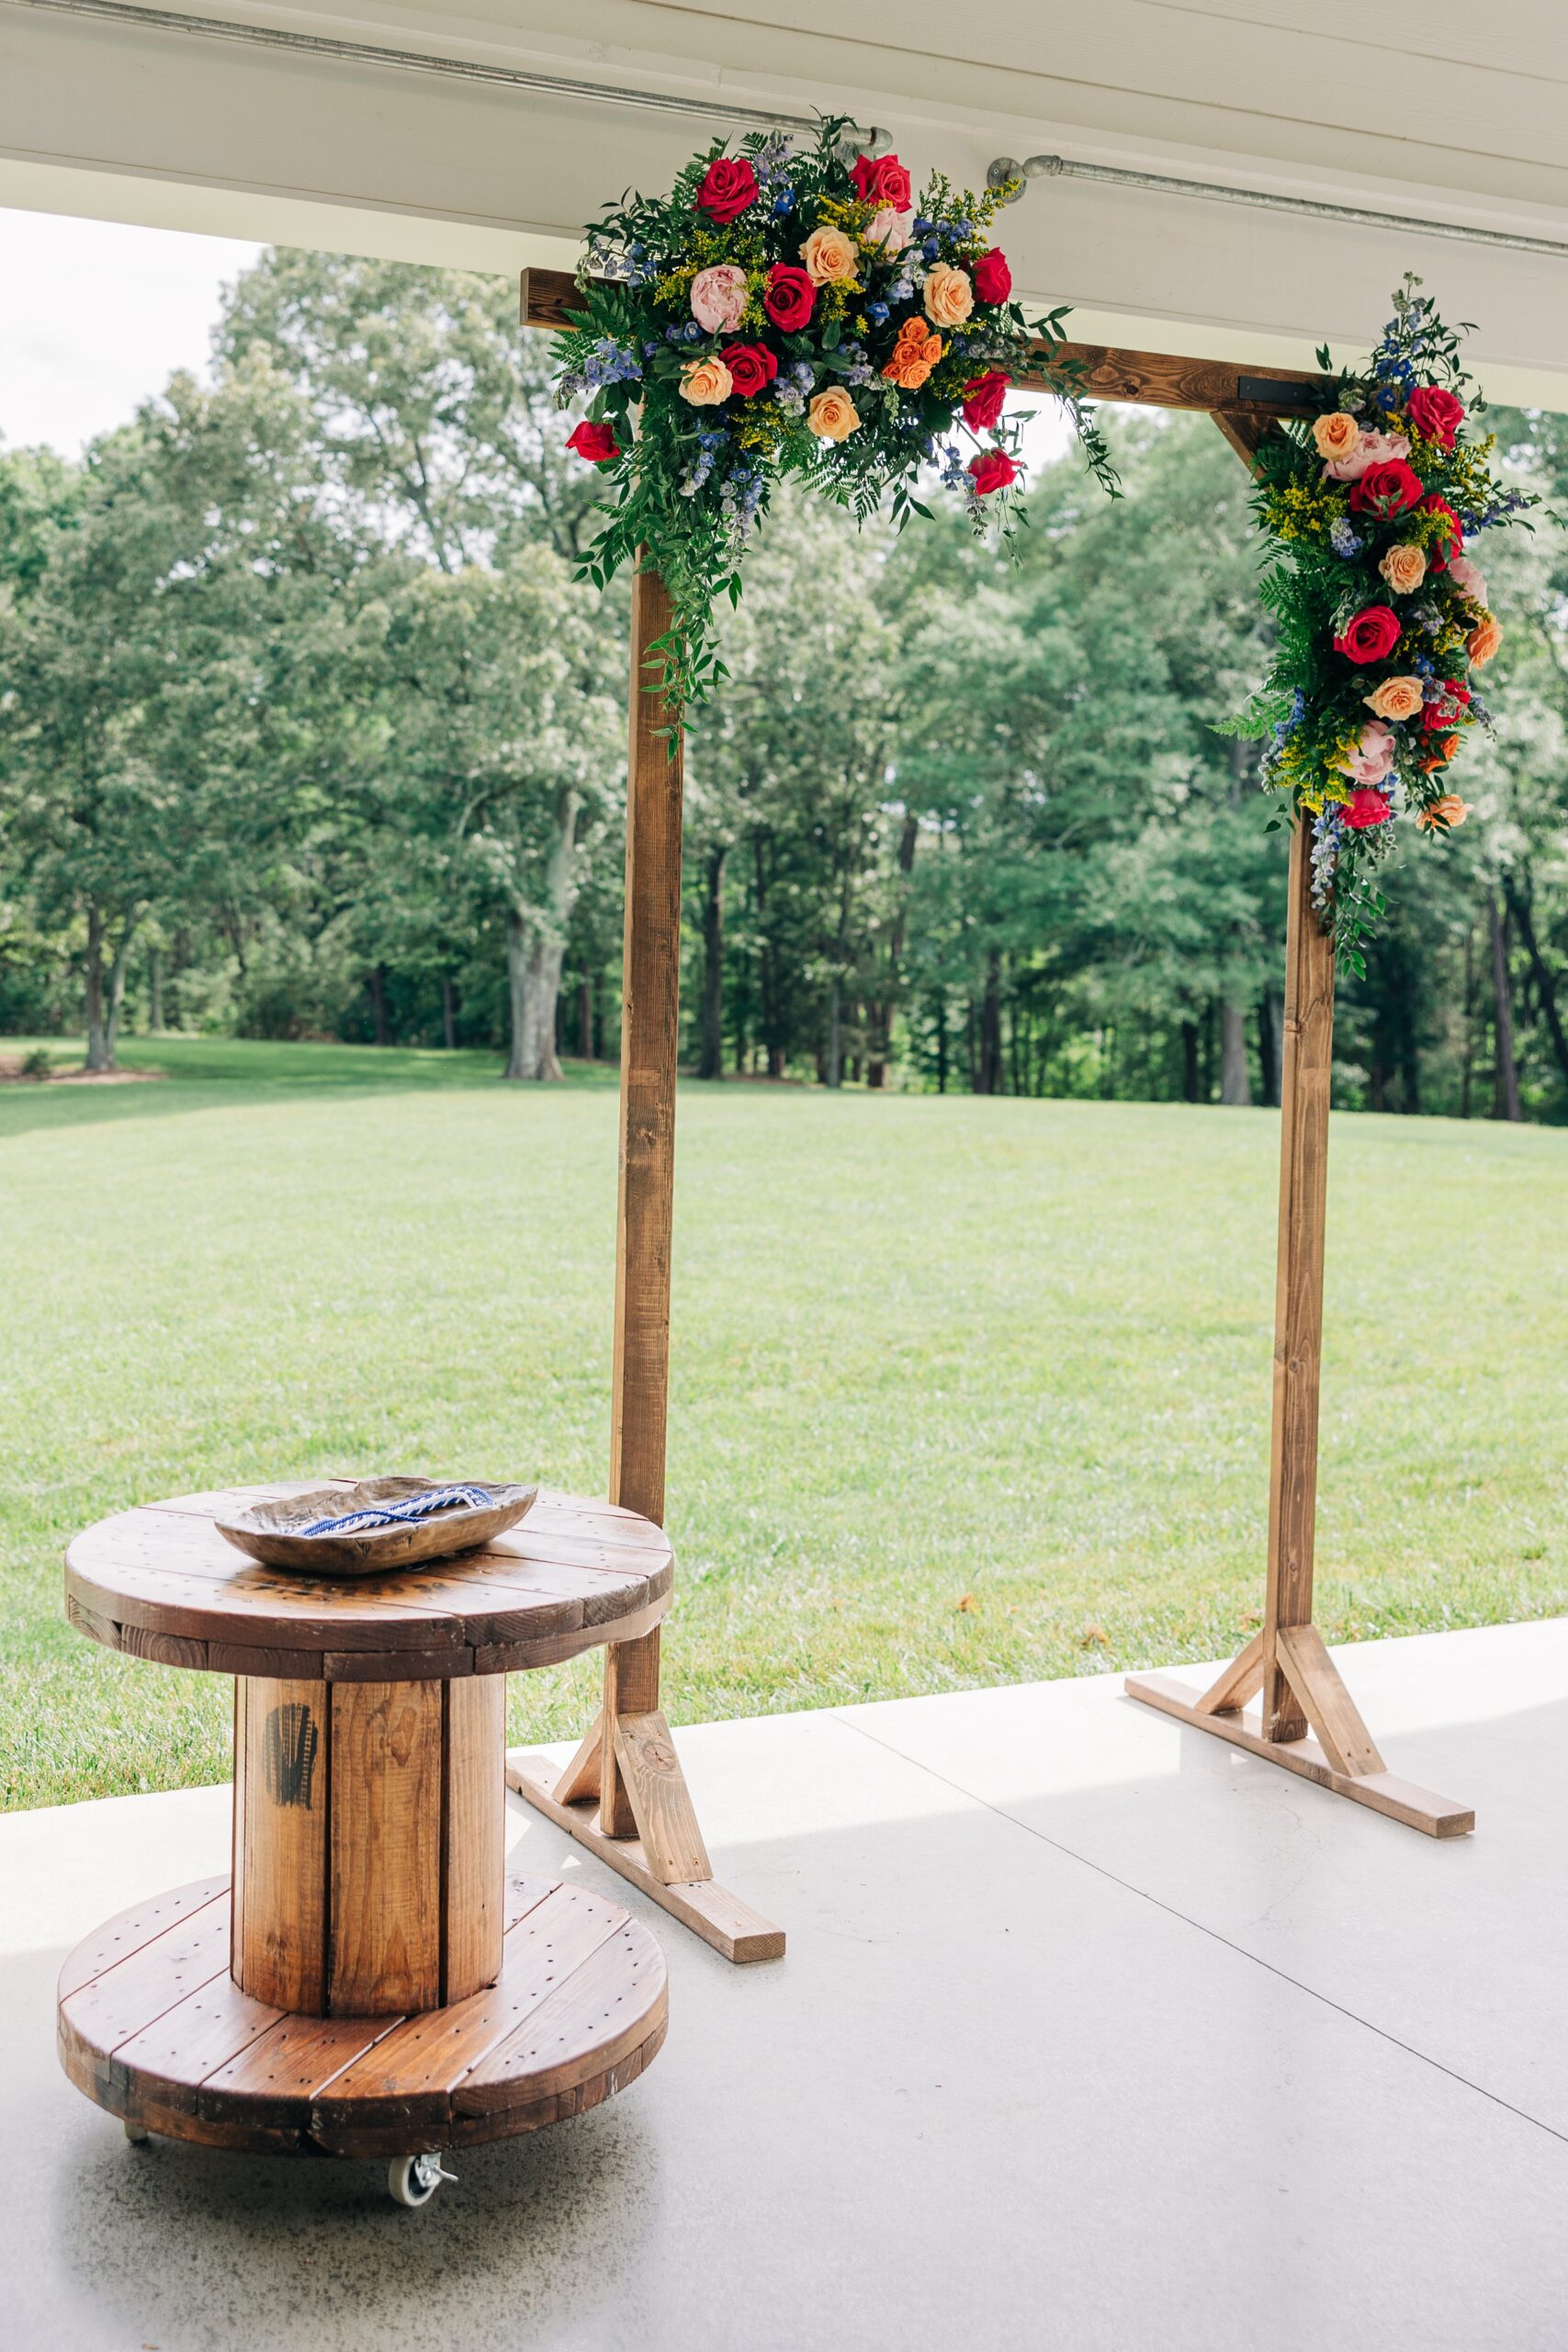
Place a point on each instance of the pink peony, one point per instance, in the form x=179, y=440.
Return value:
x=889, y=229
x=1371, y=449
x=1467, y=578
x=718, y=298
x=1372, y=758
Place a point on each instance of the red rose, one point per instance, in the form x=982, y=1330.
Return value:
x=983, y=398
x=1453, y=544
x=751, y=367
x=1366, y=808
x=729, y=186
x=1447, y=710
x=789, y=298
x=992, y=469
x=1385, y=491
x=1436, y=414
x=597, y=443
x=882, y=180
x=992, y=277
x=1371, y=636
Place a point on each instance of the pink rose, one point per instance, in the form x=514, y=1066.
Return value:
x=1366, y=808
x=1370, y=449
x=1371, y=636
x=1370, y=762
x=1467, y=578
x=718, y=298
x=889, y=229
x=1436, y=414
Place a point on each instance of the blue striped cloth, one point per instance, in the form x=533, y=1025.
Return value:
x=415, y=1508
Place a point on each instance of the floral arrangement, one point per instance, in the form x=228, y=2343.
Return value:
x=1383, y=618
x=792, y=312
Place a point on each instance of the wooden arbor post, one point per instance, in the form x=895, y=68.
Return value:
x=1287, y=1662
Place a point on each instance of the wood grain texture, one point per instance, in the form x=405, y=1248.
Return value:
x=733, y=1928
x=631, y=1687
x=660, y=1801
x=578, y=2012
x=386, y=1847
x=1241, y=1680
x=282, y=1778
x=473, y=1834
x=1333, y=1714
x=161, y=1583
x=1384, y=1793
x=1297, y=1294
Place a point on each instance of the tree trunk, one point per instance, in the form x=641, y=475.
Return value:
x=585, y=1018
x=941, y=1045
x=117, y=989
x=448, y=1015
x=988, y=1078
x=1468, y=1071
x=1505, y=1074
x=376, y=981
x=100, y=1053
x=532, y=980
x=1270, y=1015
x=710, y=1048
x=834, y=1072
x=1235, y=1087
x=1545, y=979
x=155, y=992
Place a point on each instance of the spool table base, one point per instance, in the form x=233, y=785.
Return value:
x=154, y=2028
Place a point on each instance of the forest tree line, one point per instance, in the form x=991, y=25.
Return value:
x=309, y=731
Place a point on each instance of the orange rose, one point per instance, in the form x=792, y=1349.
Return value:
x=915, y=354
x=833, y=415
x=830, y=257
x=1442, y=752
x=1483, y=642
x=1444, y=814
x=706, y=382
x=1403, y=568
x=1395, y=698
x=950, y=298
x=1335, y=436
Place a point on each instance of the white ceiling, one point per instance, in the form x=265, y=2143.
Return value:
x=1442, y=109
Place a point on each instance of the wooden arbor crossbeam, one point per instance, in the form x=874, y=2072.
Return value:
x=623, y=1795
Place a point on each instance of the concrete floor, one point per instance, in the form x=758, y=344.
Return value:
x=1094, y=2033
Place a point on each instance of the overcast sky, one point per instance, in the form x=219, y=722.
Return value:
x=94, y=316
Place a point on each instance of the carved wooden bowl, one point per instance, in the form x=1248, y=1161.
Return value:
x=273, y=1531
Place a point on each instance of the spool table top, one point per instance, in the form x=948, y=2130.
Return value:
x=162, y=1583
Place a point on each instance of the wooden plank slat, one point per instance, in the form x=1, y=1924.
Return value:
x=126, y=1998
x=631, y=1687
x=282, y=1778
x=385, y=1847
x=1315, y=1679
x=292, y=2061
x=133, y=1929
x=576, y=2030
x=581, y=1778
x=207, y=2030
x=660, y=1801
x=1383, y=1792
x=473, y=1836
x=722, y=1920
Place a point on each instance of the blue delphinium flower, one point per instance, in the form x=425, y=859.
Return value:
x=878, y=313
x=1343, y=539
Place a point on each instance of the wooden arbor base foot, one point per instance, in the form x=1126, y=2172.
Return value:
x=722, y=1920
x=1382, y=1791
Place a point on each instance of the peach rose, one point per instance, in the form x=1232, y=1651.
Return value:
x=718, y=298
x=888, y=229
x=1444, y=814
x=830, y=257
x=1483, y=642
x=1335, y=436
x=1403, y=568
x=706, y=382
x=950, y=298
x=833, y=415
x=1467, y=578
x=1371, y=449
x=1397, y=698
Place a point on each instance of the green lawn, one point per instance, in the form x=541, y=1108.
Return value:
x=926, y=1352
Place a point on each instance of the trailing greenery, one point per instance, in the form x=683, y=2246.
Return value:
x=792, y=313
x=1377, y=605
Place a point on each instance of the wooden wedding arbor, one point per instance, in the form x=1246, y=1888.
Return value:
x=623, y=1795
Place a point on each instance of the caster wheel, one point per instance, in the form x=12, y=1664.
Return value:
x=413, y=2181
x=137, y=2134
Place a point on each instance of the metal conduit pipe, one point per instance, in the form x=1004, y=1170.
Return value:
x=1006, y=168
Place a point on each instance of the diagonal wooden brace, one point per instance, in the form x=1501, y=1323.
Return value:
x=1328, y=1706
x=660, y=1801
x=1241, y=1680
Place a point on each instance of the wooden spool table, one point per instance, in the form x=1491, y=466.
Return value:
x=372, y=1983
